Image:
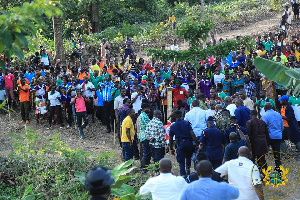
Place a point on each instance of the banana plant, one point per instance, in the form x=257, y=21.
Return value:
x=120, y=188
x=289, y=78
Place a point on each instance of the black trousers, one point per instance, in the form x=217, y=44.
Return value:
x=69, y=114
x=99, y=112
x=24, y=107
x=275, y=144
x=55, y=110
x=82, y=116
x=108, y=114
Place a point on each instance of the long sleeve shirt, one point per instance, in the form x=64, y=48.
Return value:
x=274, y=123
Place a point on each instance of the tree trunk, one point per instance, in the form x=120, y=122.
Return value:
x=95, y=17
x=58, y=39
x=202, y=8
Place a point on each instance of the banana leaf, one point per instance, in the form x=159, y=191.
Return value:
x=289, y=78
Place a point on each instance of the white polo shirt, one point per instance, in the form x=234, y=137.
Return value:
x=166, y=186
x=243, y=174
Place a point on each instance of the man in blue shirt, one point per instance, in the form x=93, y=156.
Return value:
x=275, y=126
x=206, y=188
x=30, y=74
x=241, y=112
x=185, y=136
x=108, y=103
x=214, y=140
x=231, y=150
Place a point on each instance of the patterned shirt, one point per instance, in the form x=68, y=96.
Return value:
x=155, y=130
x=143, y=120
x=249, y=89
x=107, y=89
x=152, y=95
x=223, y=123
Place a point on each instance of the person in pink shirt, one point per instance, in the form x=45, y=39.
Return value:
x=9, y=86
x=80, y=110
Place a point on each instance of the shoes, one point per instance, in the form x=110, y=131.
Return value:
x=27, y=121
x=22, y=122
x=108, y=131
x=49, y=127
x=61, y=127
x=68, y=126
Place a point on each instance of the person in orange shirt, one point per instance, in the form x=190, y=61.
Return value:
x=21, y=77
x=290, y=124
x=110, y=69
x=24, y=101
x=83, y=73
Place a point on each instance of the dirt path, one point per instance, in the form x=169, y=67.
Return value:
x=257, y=28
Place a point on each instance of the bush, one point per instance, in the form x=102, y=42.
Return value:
x=44, y=168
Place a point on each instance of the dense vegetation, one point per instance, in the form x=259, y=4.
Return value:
x=41, y=167
x=142, y=20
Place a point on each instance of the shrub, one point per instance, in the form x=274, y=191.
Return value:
x=44, y=167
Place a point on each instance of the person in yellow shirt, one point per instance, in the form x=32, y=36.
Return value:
x=95, y=66
x=127, y=135
x=173, y=20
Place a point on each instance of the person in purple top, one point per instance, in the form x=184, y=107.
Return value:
x=205, y=85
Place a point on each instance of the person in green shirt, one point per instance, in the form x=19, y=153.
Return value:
x=95, y=79
x=166, y=73
x=220, y=92
x=200, y=97
x=262, y=101
x=116, y=91
x=104, y=74
x=294, y=100
x=267, y=43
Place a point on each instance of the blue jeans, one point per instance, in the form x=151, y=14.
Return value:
x=146, y=153
x=157, y=153
x=128, y=151
x=184, y=152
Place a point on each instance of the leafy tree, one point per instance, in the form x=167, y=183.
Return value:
x=195, y=31
x=19, y=24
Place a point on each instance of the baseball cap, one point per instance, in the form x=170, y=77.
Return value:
x=284, y=98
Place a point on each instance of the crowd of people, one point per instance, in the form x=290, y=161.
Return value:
x=217, y=110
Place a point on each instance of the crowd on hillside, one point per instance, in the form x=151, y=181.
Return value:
x=227, y=105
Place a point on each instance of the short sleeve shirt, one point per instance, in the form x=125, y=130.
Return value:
x=24, y=96
x=181, y=129
x=178, y=94
x=127, y=123
x=9, y=80
x=53, y=98
x=80, y=104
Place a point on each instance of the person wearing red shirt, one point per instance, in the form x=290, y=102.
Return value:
x=24, y=101
x=179, y=93
x=9, y=86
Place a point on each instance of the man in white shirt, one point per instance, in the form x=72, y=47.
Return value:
x=243, y=174
x=218, y=76
x=88, y=91
x=136, y=99
x=247, y=101
x=119, y=102
x=174, y=46
x=197, y=117
x=166, y=186
x=229, y=105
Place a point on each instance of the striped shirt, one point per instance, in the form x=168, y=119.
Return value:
x=107, y=89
